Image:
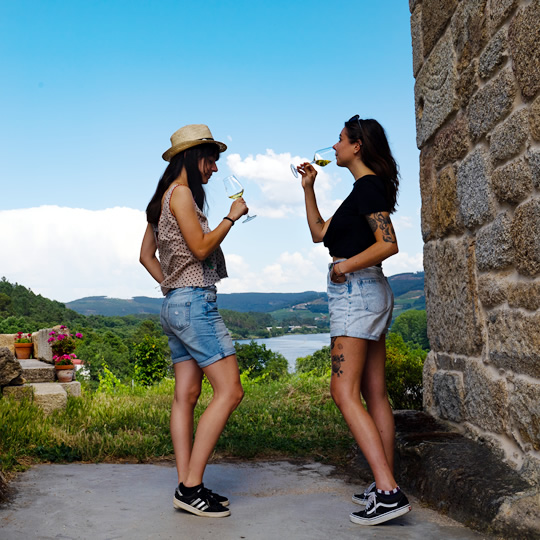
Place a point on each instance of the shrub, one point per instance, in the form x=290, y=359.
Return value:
x=258, y=360
x=319, y=362
x=151, y=365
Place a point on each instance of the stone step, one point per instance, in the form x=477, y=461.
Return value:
x=35, y=371
x=49, y=396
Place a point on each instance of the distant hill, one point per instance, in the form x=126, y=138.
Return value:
x=408, y=290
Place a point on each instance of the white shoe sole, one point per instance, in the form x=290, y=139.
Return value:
x=357, y=500
x=381, y=519
x=197, y=512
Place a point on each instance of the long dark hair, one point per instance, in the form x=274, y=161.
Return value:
x=376, y=153
x=190, y=160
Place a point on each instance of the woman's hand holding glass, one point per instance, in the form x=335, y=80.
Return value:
x=308, y=173
x=238, y=209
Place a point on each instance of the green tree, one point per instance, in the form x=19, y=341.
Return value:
x=319, y=362
x=259, y=360
x=151, y=365
x=412, y=327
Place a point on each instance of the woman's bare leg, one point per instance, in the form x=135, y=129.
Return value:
x=224, y=377
x=374, y=392
x=187, y=388
x=348, y=364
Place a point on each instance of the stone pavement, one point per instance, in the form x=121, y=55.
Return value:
x=269, y=500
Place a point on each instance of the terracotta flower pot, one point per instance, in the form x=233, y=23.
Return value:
x=64, y=373
x=23, y=351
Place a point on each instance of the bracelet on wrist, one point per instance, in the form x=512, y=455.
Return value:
x=231, y=220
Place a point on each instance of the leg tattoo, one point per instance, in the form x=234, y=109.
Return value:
x=337, y=361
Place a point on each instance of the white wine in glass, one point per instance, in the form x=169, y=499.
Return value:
x=321, y=158
x=234, y=190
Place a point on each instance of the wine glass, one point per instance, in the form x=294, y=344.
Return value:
x=321, y=158
x=235, y=190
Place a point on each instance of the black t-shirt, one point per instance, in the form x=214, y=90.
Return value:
x=349, y=233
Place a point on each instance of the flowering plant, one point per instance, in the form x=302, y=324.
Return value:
x=19, y=338
x=64, y=359
x=63, y=344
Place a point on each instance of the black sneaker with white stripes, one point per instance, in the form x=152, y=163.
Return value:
x=200, y=503
x=362, y=498
x=381, y=508
x=218, y=498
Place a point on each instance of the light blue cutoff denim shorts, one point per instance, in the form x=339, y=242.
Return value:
x=194, y=327
x=362, y=306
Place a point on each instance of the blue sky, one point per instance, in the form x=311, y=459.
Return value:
x=92, y=90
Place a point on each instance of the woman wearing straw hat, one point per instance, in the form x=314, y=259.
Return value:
x=190, y=264
x=359, y=237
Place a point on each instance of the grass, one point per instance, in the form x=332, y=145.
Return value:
x=289, y=418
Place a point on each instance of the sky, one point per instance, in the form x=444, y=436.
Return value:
x=91, y=91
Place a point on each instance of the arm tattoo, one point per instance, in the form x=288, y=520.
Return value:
x=382, y=222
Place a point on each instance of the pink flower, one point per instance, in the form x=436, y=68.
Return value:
x=79, y=335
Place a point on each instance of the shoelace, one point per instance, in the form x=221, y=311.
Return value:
x=371, y=500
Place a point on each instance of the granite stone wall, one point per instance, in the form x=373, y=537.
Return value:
x=477, y=99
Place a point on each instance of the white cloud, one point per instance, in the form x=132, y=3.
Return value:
x=283, y=195
x=403, y=262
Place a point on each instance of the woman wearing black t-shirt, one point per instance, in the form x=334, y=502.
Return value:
x=359, y=237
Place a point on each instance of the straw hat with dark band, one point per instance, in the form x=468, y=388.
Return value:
x=189, y=136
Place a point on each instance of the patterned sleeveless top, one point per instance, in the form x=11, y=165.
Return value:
x=180, y=267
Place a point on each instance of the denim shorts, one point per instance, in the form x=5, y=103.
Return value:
x=194, y=327
x=362, y=306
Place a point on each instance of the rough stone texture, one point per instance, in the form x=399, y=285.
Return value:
x=469, y=30
x=476, y=202
x=447, y=219
x=49, y=396
x=518, y=516
x=491, y=104
x=512, y=183
x=448, y=395
x=72, y=388
x=18, y=392
x=451, y=142
x=435, y=17
x=509, y=137
x=453, y=314
x=525, y=411
x=491, y=291
x=452, y=362
x=42, y=349
x=435, y=90
x=494, y=55
x=534, y=163
x=534, y=119
x=526, y=232
x=428, y=373
x=486, y=399
x=36, y=371
x=416, y=36
x=427, y=191
x=514, y=341
x=498, y=11
x=467, y=84
x=494, y=249
x=8, y=340
x=524, y=295
x=523, y=37
x=10, y=368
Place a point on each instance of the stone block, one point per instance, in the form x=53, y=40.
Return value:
x=514, y=341
x=49, y=396
x=486, y=399
x=533, y=158
x=525, y=412
x=449, y=362
x=72, y=388
x=428, y=194
x=8, y=341
x=416, y=36
x=512, y=183
x=35, y=371
x=526, y=232
x=435, y=91
x=524, y=295
x=494, y=55
x=429, y=371
x=491, y=104
x=534, y=119
x=491, y=291
x=494, y=247
x=453, y=311
x=476, y=201
x=19, y=392
x=435, y=16
x=447, y=216
x=498, y=11
x=451, y=142
x=508, y=139
x=449, y=395
x=523, y=37
x=42, y=349
x=10, y=368
x=469, y=29
x=467, y=84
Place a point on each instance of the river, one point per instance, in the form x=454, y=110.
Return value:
x=293, y=346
